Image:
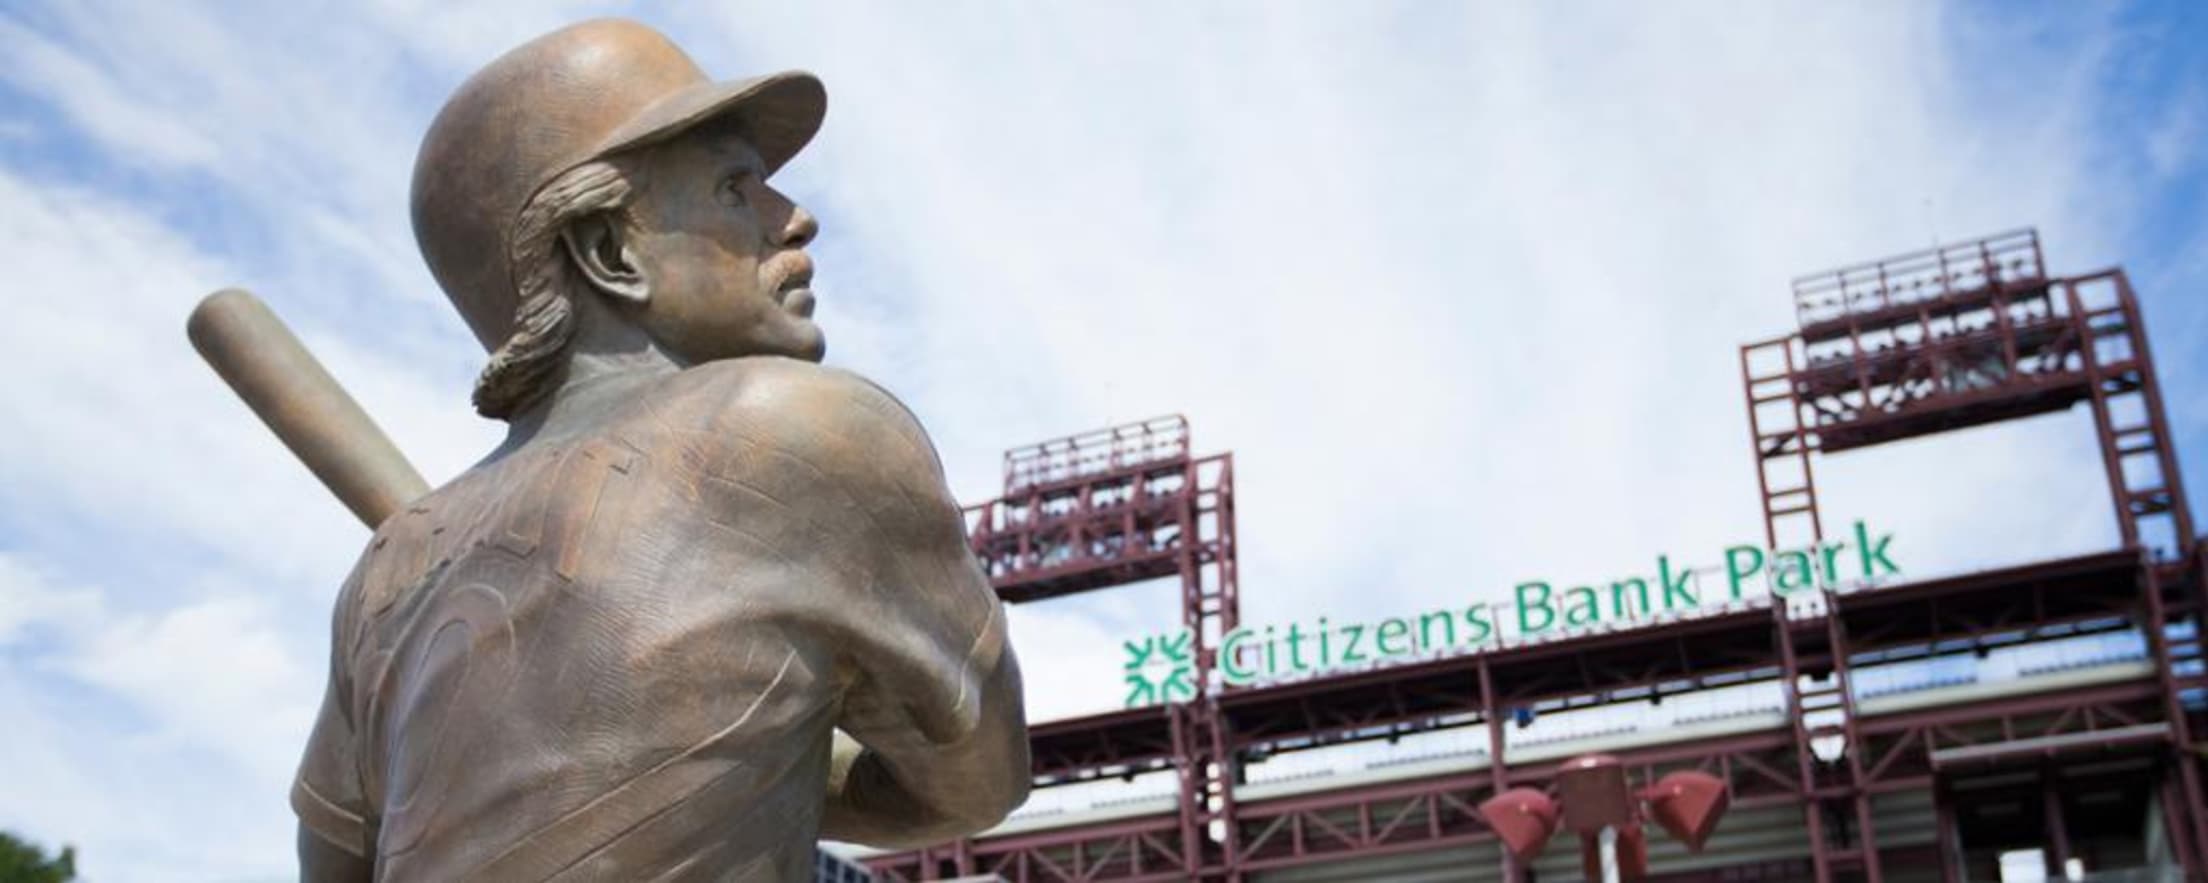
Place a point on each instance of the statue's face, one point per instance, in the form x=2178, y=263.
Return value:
x=721, y=252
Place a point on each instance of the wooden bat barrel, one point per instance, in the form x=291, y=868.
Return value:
x=267, y=366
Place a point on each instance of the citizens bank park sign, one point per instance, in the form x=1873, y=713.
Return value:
x=1161, y=668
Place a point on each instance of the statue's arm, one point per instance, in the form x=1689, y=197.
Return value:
x=335, y=836
x=935, y=703
x=904, y=791
x=321, y=861
x=932, y=700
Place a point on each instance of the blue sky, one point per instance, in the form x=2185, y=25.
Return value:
x=1461, y=287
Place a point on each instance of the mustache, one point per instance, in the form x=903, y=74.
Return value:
x=790, y=269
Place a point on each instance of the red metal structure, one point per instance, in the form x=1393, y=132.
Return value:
x=1947, y=338
x=1953, y=337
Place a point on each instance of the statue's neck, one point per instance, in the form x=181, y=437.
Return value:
x=608, y=364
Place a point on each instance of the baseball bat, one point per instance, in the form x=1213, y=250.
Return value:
x=267, y=366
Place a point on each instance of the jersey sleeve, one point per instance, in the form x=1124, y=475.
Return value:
x=823, y=467
x=836, y=481
x=327, y=794
x=929, y=627
x=925, y=626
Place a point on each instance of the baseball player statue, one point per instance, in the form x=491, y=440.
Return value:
x=618, y=648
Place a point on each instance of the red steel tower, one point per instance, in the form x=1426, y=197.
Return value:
x=1947, y=338
x=1953, y=337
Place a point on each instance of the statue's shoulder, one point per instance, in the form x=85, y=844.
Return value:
x=795, y=406
x=781, y=391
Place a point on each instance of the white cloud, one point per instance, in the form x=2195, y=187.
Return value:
x=217, y=673
x=99, y=104
x=2174, y=140
x=152, y=740
x=26, y=601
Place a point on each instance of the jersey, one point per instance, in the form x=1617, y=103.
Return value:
x=621, y=654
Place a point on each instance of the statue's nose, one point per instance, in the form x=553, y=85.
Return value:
x=800, y=229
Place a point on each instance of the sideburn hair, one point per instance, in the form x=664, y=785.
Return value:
x=534, y=358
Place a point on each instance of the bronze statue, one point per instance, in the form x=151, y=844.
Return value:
x=618, y=648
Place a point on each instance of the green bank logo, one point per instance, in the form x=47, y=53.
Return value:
x=1160, y=668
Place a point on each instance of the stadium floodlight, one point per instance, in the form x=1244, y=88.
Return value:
x=1524, y=818
x=1596, y=802
x=1687, y=804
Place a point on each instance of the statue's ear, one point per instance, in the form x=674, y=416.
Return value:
x=596, y=244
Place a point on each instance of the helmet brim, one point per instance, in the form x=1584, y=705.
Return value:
x=779, y=113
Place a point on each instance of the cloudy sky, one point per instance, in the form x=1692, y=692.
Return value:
x=1460, y=284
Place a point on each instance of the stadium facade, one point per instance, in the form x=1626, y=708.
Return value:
x=2026, y=722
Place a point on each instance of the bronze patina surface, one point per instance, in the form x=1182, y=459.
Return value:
x=618, y=648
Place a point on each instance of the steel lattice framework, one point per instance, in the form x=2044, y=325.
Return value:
x=1943, y=339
